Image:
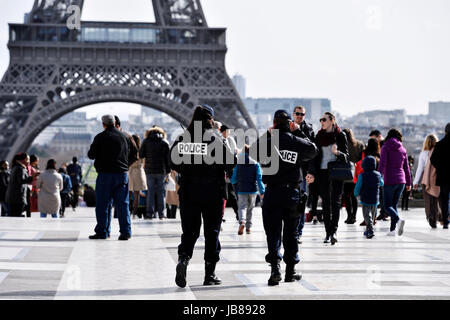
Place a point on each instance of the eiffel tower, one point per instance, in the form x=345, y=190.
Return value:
x=171, y=65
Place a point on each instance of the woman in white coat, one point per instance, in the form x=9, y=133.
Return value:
x=427, y=180
x=50, y=184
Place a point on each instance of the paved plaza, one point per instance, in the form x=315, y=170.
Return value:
x=54, y=259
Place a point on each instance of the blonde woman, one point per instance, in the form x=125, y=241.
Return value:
x=425, y=177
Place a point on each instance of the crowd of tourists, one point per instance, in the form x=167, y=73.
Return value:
x=141, y=179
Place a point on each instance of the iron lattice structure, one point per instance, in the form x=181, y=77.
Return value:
x=171, y=65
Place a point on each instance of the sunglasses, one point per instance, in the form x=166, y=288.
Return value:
x=299, y=114
x=323, y=120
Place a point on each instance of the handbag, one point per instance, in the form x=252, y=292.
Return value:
x=341, y=171
x=170, y=184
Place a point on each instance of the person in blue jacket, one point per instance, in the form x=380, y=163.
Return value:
x=367, y=187
x=247, y=179
x=67, y=187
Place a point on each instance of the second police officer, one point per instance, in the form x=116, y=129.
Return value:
x=283, y=198
x=202, y=159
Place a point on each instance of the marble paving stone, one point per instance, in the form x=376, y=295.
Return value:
x=3, y=276
x=9, y=253
x=21, y=235
x=54, y=259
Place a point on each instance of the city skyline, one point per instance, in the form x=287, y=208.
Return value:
x=362, y=55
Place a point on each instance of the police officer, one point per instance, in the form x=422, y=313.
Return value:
x=282, y=198
x=202, y=159
x=308, y=131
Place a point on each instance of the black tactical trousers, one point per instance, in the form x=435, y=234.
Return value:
x=201, y=200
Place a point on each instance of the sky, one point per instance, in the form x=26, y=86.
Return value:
x=360, y=54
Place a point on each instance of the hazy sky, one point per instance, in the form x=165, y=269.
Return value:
x=361, y=54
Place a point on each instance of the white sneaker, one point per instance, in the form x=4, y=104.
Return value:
x=299, y=240
x=401, y=224
x=391, y=233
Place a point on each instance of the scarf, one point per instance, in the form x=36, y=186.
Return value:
x=325, y=138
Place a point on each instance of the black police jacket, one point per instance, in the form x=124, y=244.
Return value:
x=207, y=159
x=110, y=150
x=290, y=152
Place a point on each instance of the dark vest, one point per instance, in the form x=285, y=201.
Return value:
x=246, y=177
x=370, y=187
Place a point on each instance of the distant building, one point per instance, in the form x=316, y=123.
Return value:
x=239, y=83
x=73, y=123
x=71, y=143
x=439, y=111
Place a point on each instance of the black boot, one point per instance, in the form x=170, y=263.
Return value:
x=180, y=278
x=333, y=239
x=210, y=276
x=275, y=275
x=291, y=275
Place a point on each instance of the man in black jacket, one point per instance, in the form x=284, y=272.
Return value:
x=282, y=197
x=110, y=150
x=155, y=149
x=440, y=160
x=76, y=175
x=307, y=131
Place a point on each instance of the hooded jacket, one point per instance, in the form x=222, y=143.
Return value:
x=369, y=182
x=247, y=176
x=394, y=163
x=156, y=151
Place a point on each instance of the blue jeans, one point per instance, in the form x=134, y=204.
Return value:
x=44, y=215
x=112, y=187
x=155, y=195
x=391, y=196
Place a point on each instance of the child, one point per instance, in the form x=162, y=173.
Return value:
x=247, y=179
x=367, y=187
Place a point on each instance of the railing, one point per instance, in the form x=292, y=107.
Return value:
x=125, y=33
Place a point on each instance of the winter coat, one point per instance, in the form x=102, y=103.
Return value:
x=50, y=184
x=67, y=183
x=110, y=150
x=156, y=151
x=75, y=173
x=429, y=178
x=394, y=164
x=4, y=181
x=369, y=182
x=291, y=151
x=343, y=156
x=440, y=161
x=247, y=176
x=424, y=157
x=16, y=193
x=172, y=196
x=136, y=176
